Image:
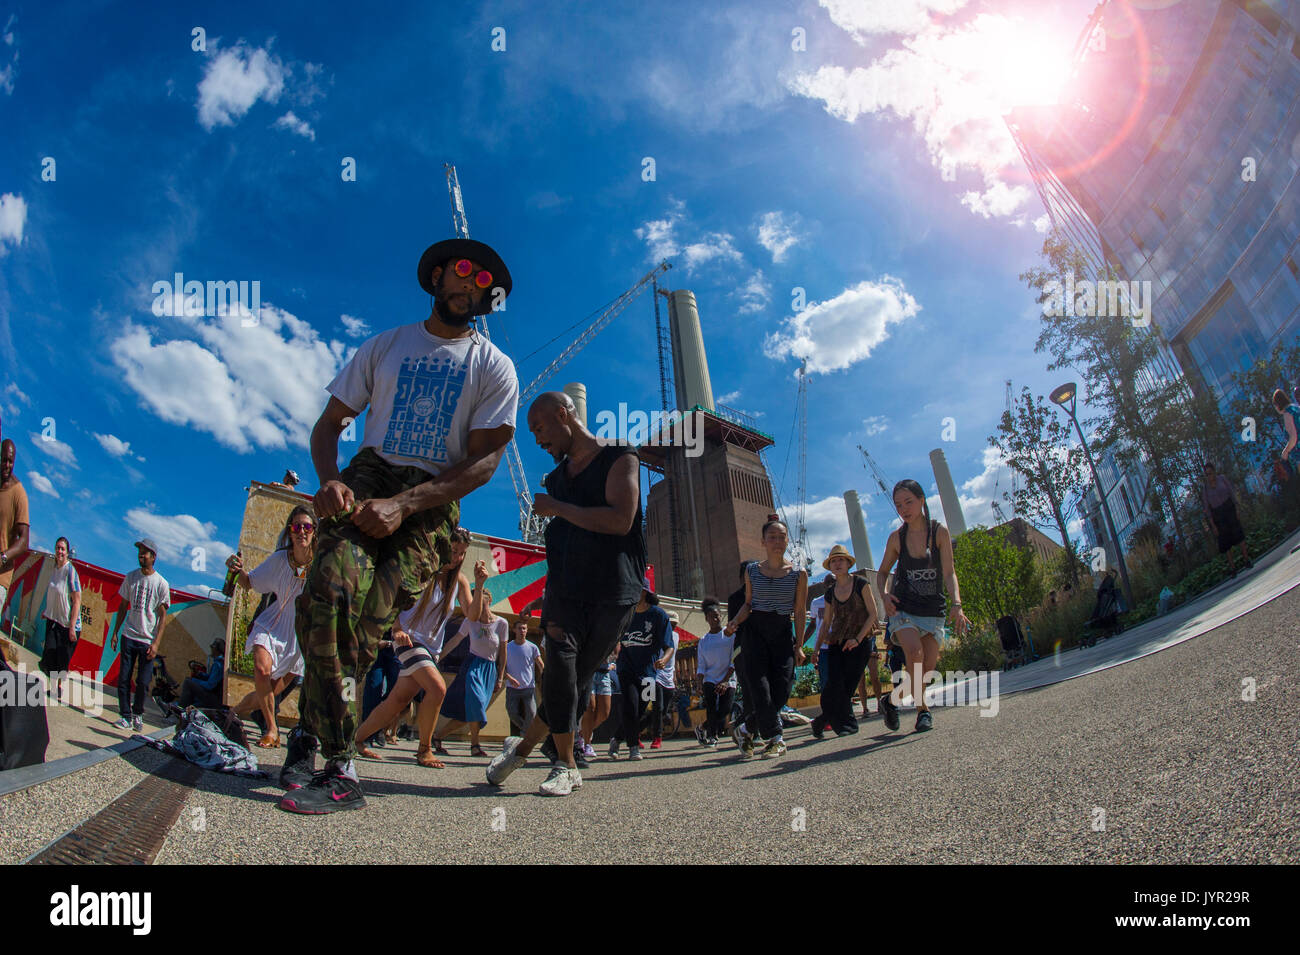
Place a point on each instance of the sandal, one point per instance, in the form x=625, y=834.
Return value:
x=365, y=752
x=426, y=759
x=268, y=742
x=478, y=751
x=439, y=748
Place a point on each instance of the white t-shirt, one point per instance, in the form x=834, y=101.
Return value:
x=276, y=575
x=486, y=641
x=664, y=676
x=426, y=394
x=713, y=658
x=521, y=662
x=145, y=594
x=818, y=608
x=64, y=582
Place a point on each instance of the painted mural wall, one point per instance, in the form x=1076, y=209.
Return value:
x=193, y=622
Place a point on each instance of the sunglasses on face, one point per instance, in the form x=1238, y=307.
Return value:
x=464, y=267
x=303, y=528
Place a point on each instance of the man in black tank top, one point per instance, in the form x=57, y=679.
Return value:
x=596, y=560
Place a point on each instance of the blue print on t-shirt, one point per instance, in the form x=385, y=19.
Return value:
x=428, y=390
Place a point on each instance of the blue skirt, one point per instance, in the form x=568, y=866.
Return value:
x=469, y=694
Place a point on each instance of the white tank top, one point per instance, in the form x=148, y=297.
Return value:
x=427, y=629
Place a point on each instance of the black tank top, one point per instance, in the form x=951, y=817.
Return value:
x=583, y=565
x=919, y=580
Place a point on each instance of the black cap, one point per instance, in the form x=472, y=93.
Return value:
x=480, y=252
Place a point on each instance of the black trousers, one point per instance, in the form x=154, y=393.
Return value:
x=579, y=637
x=844, y=670
x=768, y=658
x=716, y=707
x=634, y=695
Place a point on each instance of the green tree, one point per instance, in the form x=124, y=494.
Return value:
x=1144, y=417
x=1260, y=436
x=997, y=578
x=1035, y=441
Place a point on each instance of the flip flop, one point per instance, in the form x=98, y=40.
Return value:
x=426, y=759
x=439, y=749
x=365, y=752
x=268, y=742
x=478, y=751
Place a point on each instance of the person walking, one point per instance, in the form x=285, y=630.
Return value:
x=62, y=617
x=604, y=689
x=272, y=639
x=1219, y=498
x=141, y=618
x=524, y=665
x=15, y=519
x=483, y=674
x=717, y=673
x=441, y=403
x=665, y=682
x=850, y=621
x=645, y=644
x=776, y=596
x=922, y=550
x=596, y=561
x=418, y=636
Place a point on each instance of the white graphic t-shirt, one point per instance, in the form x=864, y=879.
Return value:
x=426, y=394
x=146, y=595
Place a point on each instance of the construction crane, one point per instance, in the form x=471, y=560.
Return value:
x=530, y=525
x=877, y=475
x=663, y=339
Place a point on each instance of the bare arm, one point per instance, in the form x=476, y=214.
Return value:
x=622, y=490
x=743, y=613
x=959, y=620
x=325, y=457
x=882, y=575
x=460, y=635
x=18, y=545
x=483, y=453
x=800, y=608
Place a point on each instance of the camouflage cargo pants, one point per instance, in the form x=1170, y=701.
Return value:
x=354, y=590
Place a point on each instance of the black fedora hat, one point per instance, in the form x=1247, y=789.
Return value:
x=480, y=252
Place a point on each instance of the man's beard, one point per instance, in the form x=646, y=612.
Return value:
x=447, y=316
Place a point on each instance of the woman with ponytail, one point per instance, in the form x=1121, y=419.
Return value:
x=922, y=550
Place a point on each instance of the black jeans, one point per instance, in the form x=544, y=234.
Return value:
x=134, y=653
x=579, y=638
x=768, y=658
x=632, y=703
x=662, y=696
x=716, y=707
x=843, y=671
x=195, y=695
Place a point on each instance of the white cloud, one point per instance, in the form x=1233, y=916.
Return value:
x=952, y=82
x=355, y=327
x=248, y=387
x=13, y=218
x=113, y=444
x=827, y=524
x=1043, y=224
x=754, y=294
x=777, y=235
x=9, y=71
x=234, y=80
x=55, y=448
x=838, y=333
x=41, y=483
x=863, y=18
x=660, y=236
x=177, y=535
x=729, y=398
x=295, y=125
x=875, y=425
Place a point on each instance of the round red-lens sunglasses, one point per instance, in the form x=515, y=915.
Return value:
x=464, y=267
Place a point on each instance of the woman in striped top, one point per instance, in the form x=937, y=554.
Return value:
x=776, y=595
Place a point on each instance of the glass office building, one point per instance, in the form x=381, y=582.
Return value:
x=1174, y=158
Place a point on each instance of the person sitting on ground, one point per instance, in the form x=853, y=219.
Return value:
x=204, y=688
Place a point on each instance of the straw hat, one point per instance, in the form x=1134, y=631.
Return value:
x=839, y=550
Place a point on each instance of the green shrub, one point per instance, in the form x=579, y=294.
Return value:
x=973, y=651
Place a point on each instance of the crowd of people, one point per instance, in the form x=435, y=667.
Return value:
x=365, y=587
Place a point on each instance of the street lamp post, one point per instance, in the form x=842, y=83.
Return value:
x=1066, y=396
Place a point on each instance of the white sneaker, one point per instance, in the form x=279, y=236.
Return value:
x=122, y=724
x=775, y=747
x=137, y=724
x=505, y=762
x=561, y=781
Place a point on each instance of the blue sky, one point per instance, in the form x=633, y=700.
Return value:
x=861, y=160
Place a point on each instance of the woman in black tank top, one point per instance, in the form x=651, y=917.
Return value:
x=915, y=603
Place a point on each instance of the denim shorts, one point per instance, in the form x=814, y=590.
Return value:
x=900, y=621
x=605, y=683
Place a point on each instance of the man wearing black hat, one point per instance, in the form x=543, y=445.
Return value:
x=442, y=403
